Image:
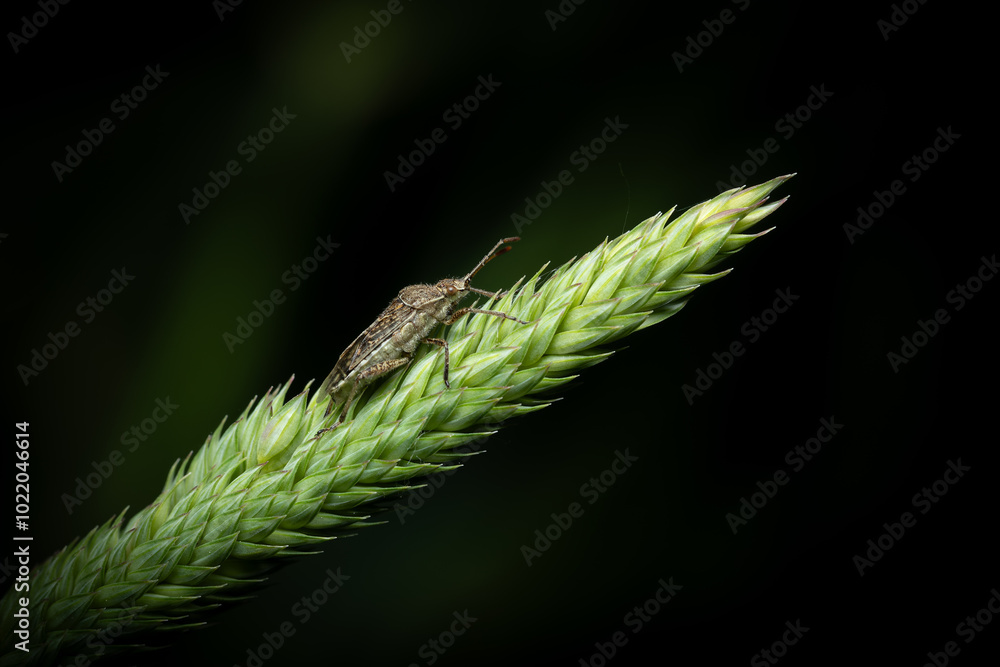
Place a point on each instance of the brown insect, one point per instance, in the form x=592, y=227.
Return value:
x=390, y=341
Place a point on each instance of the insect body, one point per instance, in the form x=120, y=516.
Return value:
x=390, y=341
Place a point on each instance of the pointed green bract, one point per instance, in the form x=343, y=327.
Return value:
x=266, y=488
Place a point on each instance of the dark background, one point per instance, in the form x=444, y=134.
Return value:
x=323, y=176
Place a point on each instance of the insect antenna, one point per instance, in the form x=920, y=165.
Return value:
x=500, y=248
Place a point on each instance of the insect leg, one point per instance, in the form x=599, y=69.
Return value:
x=492, y=295
x=360, y=381
x=495, y=313
x=343, y=412
x=442, y=343
x=329, y=406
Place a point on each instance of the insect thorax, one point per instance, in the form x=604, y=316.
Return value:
x=426, y=306
x=436, y=300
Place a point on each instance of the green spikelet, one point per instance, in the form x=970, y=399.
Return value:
x=265, y=488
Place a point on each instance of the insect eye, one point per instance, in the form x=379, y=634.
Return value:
x=452, y=290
